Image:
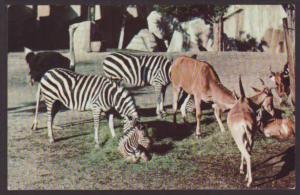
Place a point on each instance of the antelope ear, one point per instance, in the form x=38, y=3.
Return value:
x=235, y=95
x=255, y=89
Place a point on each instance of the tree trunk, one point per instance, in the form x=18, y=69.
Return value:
x=218, y=31
x=289, y=34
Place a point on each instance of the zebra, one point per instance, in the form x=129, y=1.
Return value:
x=141, y=70
x=135, y=143
x=85, y=92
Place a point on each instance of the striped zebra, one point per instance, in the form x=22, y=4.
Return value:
x=141, y=70
x=186, y=103
x=85, y=92
x=135, y=143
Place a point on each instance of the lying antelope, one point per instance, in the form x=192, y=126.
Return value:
x=198, y=78
x=241, y=121
x=281, y=129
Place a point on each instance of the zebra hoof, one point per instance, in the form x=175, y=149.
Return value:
x=57, y=127
x=33, y=127
x=198, y=136
x=51, y=140
x=164, y=115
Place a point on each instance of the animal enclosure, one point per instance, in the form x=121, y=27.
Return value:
x=179, y=160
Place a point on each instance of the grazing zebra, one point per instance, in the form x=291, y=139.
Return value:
x=135, y=143
x=85, y=92
x=140, y=71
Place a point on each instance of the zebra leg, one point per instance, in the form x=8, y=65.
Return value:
x=56, y=107
x=176, y=92
x=111, y=125
x=38, y=94
x=158, y=89
x=96, y=115
x=183, y=107
x=162, y=95
x=50, y=121
x=217, y=112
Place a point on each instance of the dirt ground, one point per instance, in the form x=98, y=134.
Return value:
x=179, y=160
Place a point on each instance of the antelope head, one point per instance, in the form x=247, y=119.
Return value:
x=264, y=98
x=281, y=80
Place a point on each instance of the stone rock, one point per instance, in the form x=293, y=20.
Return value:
x=195, y=35
x=132, y=10
x=153, y=18
x=80, y=40
x=143, y=41
x=82, y=37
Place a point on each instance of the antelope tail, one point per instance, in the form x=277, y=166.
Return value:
x=241, y=88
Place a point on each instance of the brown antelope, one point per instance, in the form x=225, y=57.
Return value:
x=281, y=129
x=282, y=82
x=198, y=78
x=241, y=121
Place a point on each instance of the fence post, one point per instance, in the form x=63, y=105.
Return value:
x=218, y=32
x=289, y=30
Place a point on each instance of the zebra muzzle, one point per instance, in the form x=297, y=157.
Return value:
x=146, y=156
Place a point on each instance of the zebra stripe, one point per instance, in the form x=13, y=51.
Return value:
x=84, y=92
x=140, y=71
x=134, y=143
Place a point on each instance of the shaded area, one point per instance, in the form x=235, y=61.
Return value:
x=69, y=137
x=247, y=44
x=285, y=160
x=161, y=149
x=165, y=129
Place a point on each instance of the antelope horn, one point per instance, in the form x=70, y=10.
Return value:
x=241, y=88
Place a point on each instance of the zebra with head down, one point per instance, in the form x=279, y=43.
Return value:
x=84, y=92
x=135, y=142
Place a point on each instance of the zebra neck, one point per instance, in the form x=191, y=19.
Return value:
x=122, y=102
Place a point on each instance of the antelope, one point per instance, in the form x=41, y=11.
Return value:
x=282, y=82
x=278, y=128
x=241, y=121
x=198, y=78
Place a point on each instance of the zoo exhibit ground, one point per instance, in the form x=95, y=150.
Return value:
x=180, y=161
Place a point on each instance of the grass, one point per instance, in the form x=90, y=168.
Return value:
x=179, y=160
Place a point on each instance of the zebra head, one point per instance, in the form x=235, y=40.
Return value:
x=143, y=138
x=135, y=143
x=144, y=142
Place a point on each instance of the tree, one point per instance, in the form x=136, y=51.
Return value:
x=212, y=14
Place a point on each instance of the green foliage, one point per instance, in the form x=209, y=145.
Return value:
x=210, y=13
